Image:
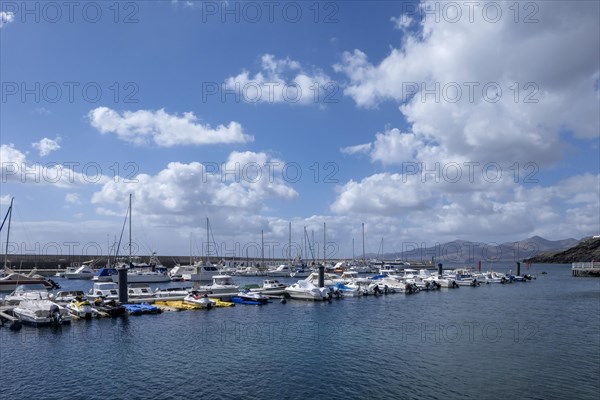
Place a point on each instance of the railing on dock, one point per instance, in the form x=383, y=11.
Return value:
x=585, y=265
x=585, y=268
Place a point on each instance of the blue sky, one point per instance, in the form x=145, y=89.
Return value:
x=400, y=89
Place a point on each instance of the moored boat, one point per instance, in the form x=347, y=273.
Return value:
x=105, y=290
x=199, y=299
x=81, y=272
x=305, y=290
x=35, y=291
x=41, y=313
x=12, y=280
x=82, y=309
x=270, y=287
x=284, y=270
x=139, y=291
x=66, y=296
x=253, y=298
x=105, y=274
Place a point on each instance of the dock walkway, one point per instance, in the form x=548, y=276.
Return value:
x=585, y=269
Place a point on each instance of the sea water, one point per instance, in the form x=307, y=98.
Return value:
x=532, y=340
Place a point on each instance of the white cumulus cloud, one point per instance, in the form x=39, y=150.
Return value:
x=282, y=81
x=144, y=127
x=501, y=90
x=185, y=191
x=46, y=146
x=6, y=18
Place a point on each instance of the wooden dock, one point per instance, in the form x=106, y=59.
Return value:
x=585, y=269
x=7, y=315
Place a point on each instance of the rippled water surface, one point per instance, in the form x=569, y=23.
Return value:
x=534, y=340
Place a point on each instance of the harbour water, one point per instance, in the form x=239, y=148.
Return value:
x=532, y=340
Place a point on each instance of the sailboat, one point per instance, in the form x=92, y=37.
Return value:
x=199, y=271
x=13, y=279
x=137, y=272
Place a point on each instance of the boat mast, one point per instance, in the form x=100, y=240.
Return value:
x=207, y=243
x=305, y=252
x=313, y=245
x=262, y=247
x=363, y=244
x=353, y=258
x=8, y=231
x=290, y=242
x=191, y=241
x=324, y=243
x=130, y=214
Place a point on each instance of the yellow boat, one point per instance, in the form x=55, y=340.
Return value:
x=178, y=304
x=221, y=303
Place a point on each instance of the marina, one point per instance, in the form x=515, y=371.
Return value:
x=298, y=200
x=92, y=299
x=428, y=338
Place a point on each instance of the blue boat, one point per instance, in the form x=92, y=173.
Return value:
x=105, y=275
x=239, y=300
x=133, y=309
x=149, y=308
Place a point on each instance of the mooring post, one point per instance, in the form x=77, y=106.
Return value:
x=123, y=295
x=440, y=269
x=518, y=269
x=321, y=276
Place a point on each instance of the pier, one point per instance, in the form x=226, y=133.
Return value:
x=7, y=316
x=585, y=269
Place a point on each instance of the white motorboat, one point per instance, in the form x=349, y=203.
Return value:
x=301, y=272
x=82, y=309
x=35, y=291
x=248, y=271
x=491, y=277
x=352, y=277
x=105, y=290
x=329, y=279
x=392, y=282
x=139, y=291
x=41, y=312
x=222, y=284
x=445, y=282
x=348, y=290
x=201, y=273
x=66, y=296
x=82, y=272
x=464, y=277
x=305, y=290
x=284, y=270
x=200, y=299
x=271, y=287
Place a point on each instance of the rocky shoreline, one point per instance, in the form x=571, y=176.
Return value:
x=586, y=251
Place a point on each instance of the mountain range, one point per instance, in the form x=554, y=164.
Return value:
x=462, y=251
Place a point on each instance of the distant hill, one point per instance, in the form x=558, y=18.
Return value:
x=462, y=251
x=585, y=251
